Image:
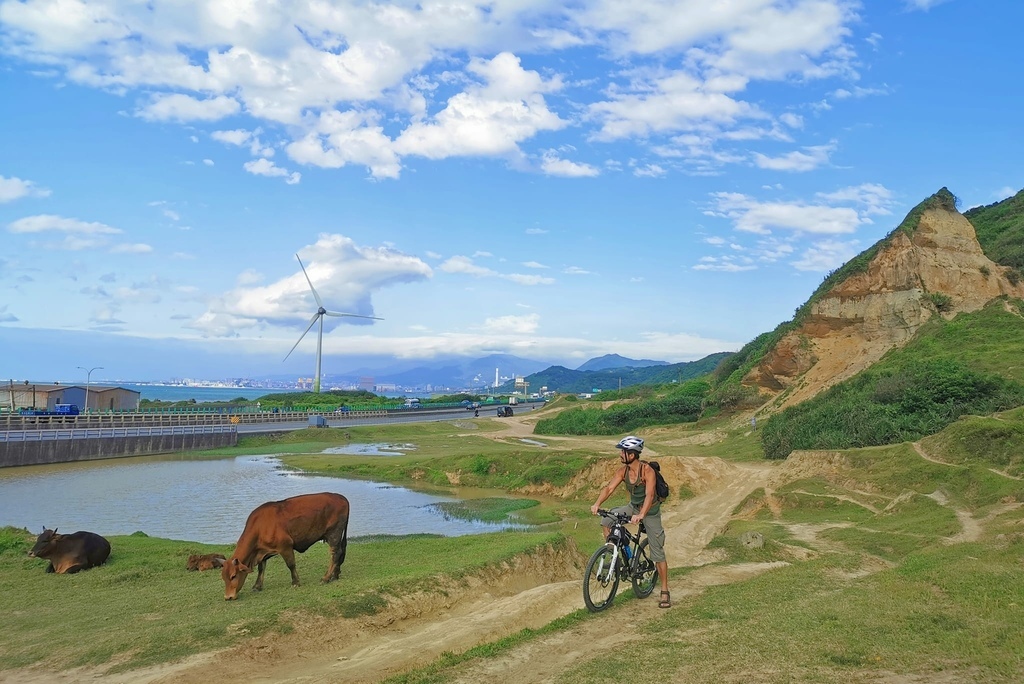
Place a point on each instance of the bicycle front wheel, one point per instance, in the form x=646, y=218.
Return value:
x=601, y=580
x=644, y=572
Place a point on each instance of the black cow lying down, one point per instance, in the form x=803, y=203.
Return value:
x=69, y=553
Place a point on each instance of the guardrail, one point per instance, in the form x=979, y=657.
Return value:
x=101, y=433
x=17, y=422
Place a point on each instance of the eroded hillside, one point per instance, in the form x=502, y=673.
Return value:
x=931, y=265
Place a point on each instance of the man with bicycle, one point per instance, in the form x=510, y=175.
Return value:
x=639, y=478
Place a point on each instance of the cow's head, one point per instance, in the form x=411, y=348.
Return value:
x=234, y=573
x=45, y=543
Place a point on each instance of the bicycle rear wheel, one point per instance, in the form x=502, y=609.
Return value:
x=601, y=580
x=644, y=572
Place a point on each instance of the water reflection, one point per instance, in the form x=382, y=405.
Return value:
x=202, y=500
x=371, y=449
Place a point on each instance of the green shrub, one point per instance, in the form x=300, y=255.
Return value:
x=681, y=403
x=888, y=405
x=941, y=302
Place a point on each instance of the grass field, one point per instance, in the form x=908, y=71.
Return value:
x=143, y=604
x=904, y=563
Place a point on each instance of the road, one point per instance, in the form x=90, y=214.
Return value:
x=423, y=416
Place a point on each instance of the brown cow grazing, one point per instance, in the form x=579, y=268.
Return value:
x=69, y=553
x=283, y=527
x=206, y=561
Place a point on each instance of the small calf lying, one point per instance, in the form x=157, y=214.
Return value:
x=206, y=561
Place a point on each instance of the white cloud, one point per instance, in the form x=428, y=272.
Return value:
x=208, y=162
x=922, y=4
x=137, y=248
x=533, y=264
x=338, y=139
x=792, y=120
x=727, y=264
x=515, y=325
x=465, y=265
x=859, y=92
x=536, y=231
x=183, y=108
x=665, y=104
x=240, y=137
x=826, y=256
x=649, y=171
x=808, y=160
x=552, y=165
x=575, y=270
x=749, y=215
x=526, y=279
x=265, y=167
x=16, y=188
x=371, y=84
x=48, y=222
x=489, y=119
x=345, y=275
x=873, y=198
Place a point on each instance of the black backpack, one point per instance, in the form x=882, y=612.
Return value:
x=660, y=486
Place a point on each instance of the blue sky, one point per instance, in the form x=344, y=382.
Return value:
x=660, y=180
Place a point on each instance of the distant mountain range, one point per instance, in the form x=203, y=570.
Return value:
x=615, y=361
x=561, y=379
x=453, y=373
x=604, y=372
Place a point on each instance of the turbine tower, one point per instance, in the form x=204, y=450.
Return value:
x=319, y=316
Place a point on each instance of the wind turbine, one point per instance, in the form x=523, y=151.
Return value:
x=319, y=316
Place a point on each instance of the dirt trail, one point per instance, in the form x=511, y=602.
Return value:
x=370, y=649
x=374, y=654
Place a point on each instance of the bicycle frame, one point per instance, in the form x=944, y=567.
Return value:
x=623, y=556
x=628, y=540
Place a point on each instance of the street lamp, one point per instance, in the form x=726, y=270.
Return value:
x=88, y=376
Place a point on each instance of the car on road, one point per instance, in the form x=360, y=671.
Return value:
x=504, y=411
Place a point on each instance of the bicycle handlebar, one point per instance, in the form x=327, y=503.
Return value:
x=621, y=517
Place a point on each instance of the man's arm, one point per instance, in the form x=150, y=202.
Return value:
x=609, y=489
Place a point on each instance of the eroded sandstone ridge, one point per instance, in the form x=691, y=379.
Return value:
x=854, y=323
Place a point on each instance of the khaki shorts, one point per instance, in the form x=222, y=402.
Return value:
x=652, y=523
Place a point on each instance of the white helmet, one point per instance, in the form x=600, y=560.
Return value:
x=631, y=443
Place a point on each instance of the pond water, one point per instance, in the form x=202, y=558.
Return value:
x=378, y=449
x=202, y=500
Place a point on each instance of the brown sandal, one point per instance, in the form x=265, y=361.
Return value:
x=666, y=600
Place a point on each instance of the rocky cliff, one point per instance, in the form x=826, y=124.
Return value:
x=932, y=264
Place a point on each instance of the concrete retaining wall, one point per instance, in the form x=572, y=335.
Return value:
x=70, y=450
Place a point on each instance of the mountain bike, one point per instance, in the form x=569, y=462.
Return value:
x=623, y=556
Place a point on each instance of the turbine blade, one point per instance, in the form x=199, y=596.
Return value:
x=311, y=322
x=339, y=315
x=315, y=295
